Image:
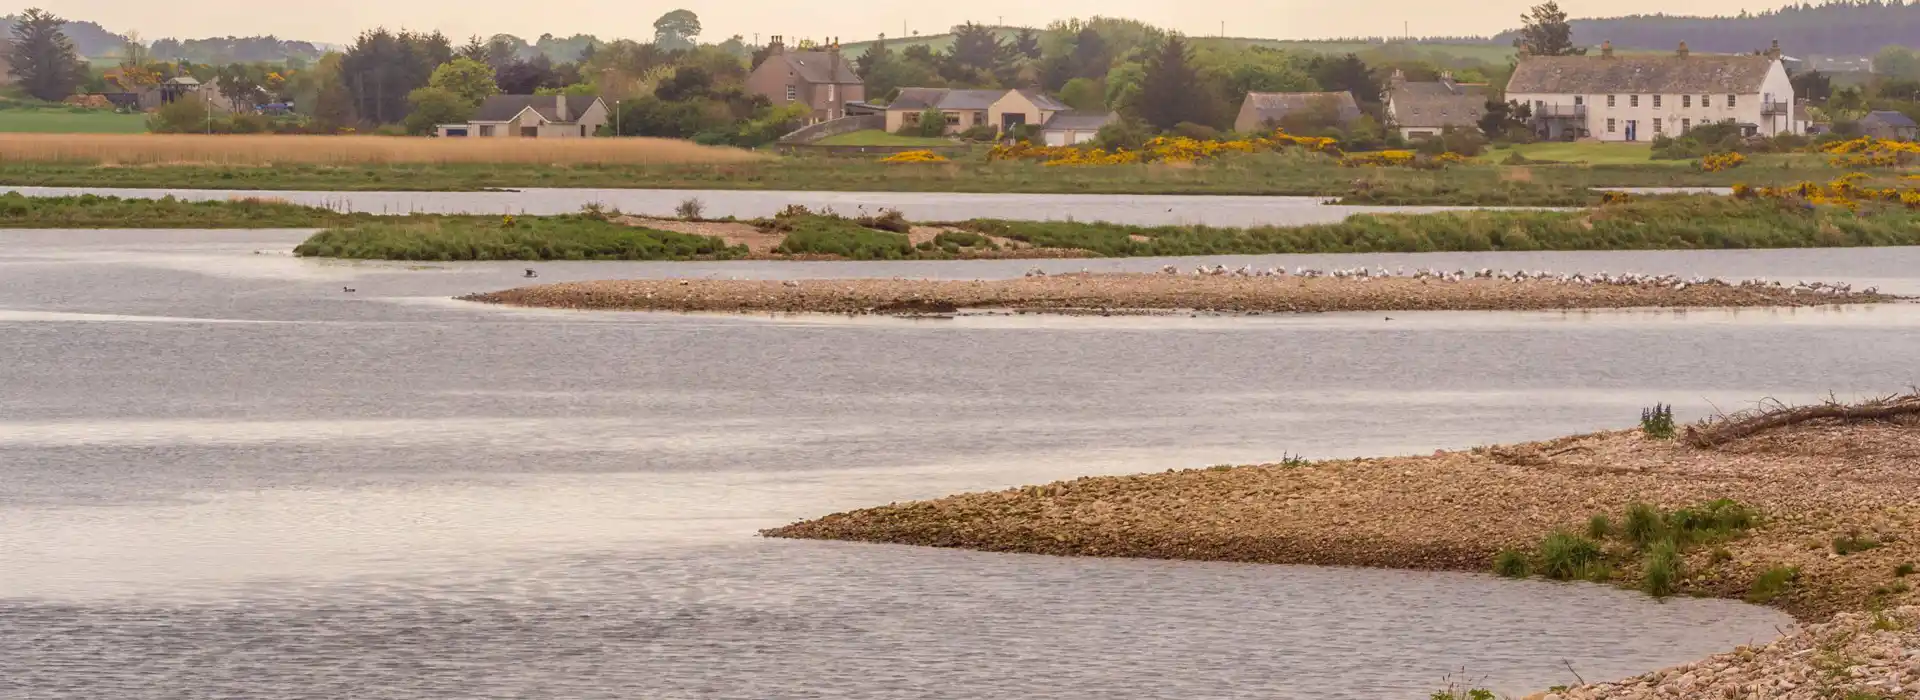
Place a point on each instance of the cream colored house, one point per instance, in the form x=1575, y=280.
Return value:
x=1074, y=128
x=532, y=116
x=1424, y=110
x=1636, y=97
x=965, y=109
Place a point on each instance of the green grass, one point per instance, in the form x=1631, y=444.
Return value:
x=91, y=211
x=1565, y=556
x=1663, y=570
x=1853, y=543
x=1903, y=570
x=56, y=120
x=571, y=237
x=1771, y=584
x=876, y=137
x=1590, y=153
x=1262, y=174
x=1511, y=563
x=829, y=235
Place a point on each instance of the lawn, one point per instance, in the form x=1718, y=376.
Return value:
x=876, y=137
x=1591, y=153
x=64, y=121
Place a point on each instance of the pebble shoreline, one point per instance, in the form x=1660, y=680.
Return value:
x=1131, y=293
x=1455, y=510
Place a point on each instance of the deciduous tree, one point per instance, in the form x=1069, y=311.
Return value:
x=432, y=106
x=675, y=31
x=468, y=78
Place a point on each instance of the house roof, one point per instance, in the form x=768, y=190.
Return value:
x=942, y=98
x=1652, y=74
x=1079, y=121
x=500, y=108
x=820, y=67
x=1437, y=104
x=1890, y=118
x=1273, y=106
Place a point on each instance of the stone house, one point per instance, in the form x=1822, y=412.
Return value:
x=532, y=116
x=1638, y=97
x=1263, y=111
x=965, y=109
x=1889, y=125
x=823, y=80
x=1424, y=109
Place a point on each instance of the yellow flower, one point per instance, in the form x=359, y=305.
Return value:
x=921, y=156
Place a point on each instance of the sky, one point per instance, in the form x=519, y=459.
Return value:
x=337, y=21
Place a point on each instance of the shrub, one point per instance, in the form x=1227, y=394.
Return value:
x=1657, y=422
x=832, y=235
x=963, y=239
x=932, y=123
x=1770, y=584
x=1644, y=525
x=1128, y=133
x=1565, y=556
x=1197, y=132
x=980, y=133
x=887, y=220
x=1511, y=564
x=506, y=238
x=1663, y=570
x=1903, y=570
x=1853, y=543
x=1599, y=527
x=1713, y=520
x=690, y=208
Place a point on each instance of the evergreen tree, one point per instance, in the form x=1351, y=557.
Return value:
x=1171, y=91
x=1544, y=32
x=1091, y=57
x=42, y=59
x=1026, y=44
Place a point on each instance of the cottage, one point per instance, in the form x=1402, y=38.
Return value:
x=532, y=116
x=1424, y=109
x=965, y=109
x=1636, y=98
x=1263, y=111
x=1074, y=128
x=1889, y=125
x=823, y=80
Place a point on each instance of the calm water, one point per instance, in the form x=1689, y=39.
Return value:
x=1144, y=210
x=221, y=476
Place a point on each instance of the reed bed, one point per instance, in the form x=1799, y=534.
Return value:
x=267, y=149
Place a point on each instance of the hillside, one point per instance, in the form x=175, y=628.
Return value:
x=1459, y=49
x=89, y=39
x=1836, y=28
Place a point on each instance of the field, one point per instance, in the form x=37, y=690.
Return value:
x=1590, y=153
x=260, y=150
x=63, y=121
x=876, y=137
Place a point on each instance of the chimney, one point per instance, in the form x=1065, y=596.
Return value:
x=1774, y=53
x=560, y=108
x=1683, y=50
x=776, y=45
x=833, y=46
x=1606, y=49
x=1446, y=76
x=1399, y=76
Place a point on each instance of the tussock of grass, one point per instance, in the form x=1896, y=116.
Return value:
x=1565, y=556
x=1644, y=525
x=1853, y=543
x=1511, y=563
x=1599, y=527
x=1904, y=570
x=832, y=235
x=475, y=238
x=1663, y=570
x=1771, y=584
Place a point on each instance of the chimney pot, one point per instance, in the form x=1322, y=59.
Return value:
x=560, y=108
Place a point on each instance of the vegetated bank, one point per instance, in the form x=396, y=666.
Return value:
x=1162, y=293
x=1813, y=510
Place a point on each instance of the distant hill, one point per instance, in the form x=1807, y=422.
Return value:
x=89, y=39
x=1467, y=48
x=1848, y=28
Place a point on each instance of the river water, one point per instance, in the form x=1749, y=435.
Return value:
x=223, y=476
x=1141, y=210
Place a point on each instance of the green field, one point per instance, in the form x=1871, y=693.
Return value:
x=64, y=121
x=876, y=137
x=1591, y=153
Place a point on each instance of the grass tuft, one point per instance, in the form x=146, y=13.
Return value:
x=1511, y=563
x=1644, y=525
x=1664, y=569
x=1599, y=527
x=1903, y=570
x=1657, y=422
x=1853, y=543
x=1771, y=584
x=1565, y=556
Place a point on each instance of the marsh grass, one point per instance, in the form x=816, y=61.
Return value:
x=1565, y=556
x=1599, y=527
x=1771, y=584
x=1511, y=563
x=1657, y=422
x=1663, y=569
x=93, y=211
x=1660, y=538
x=1853, y=543
x=822, y=234
x=1903, y=570
x=572, y=237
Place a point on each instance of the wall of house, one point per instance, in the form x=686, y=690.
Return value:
x=1067, y=137
x=1675, y=111
x=1015, y=103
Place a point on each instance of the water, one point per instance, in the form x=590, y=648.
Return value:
x=1141, y=210
x=221, y=476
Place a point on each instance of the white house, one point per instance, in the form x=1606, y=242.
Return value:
x=532, y=116
x=1637, y=97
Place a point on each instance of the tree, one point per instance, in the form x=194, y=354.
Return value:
x=331, y=106
x=1026, y=44
x=381, y=68
x=1171, y=91
x=1090, y=58
x=1347, y=74
x=1084, y=94
x=687, y=83
x=675, y=30
x=1502, y=120
x=242, y=85
x=41, y=58
x=468, y=78
x=1544, y=32
x=978, y=49
x=526, y=77
x=432, y=106
x=1813, y=85
x=475, y=49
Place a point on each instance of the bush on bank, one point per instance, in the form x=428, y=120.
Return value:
x=571, y=237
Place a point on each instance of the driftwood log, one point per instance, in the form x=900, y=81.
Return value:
x=1713, y=433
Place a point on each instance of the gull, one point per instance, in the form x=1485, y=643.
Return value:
x=348, y=290
x=531, y=273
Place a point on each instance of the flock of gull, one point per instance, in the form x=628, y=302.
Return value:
x=1626, y=279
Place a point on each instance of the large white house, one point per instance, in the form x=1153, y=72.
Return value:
x=1637, y=97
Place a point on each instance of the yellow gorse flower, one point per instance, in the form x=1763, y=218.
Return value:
x=915, y=157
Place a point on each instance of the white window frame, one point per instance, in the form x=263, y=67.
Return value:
x=793, y=92
x=833, y=92
x=1611, y=123
x=1656, y=101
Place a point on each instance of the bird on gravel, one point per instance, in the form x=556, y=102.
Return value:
x=348, y=290
x=531, y=273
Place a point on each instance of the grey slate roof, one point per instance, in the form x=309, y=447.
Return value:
x=820, y=67
x=500, y=108
x=1889, y=118
x=1437, y=105
x=1666, y=74
x=1044, y=101
x=1272, y=106
x=1079, y=121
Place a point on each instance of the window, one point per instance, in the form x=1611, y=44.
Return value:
x=486, y=129
x=1579, y=100
x=1685, y=124
x=1610, y=100
x=1686, y=100
x=530, y=132
x=583, y=131
x=912, y=118
x=1633, y=100
x=833, y=93
x=953, y=119
x=1656, y=126
x=1656, y=104
x=793, y=92
x=1729, y=100
x=1706, y=100
x=1610, y=125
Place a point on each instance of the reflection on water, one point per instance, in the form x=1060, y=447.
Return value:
x=378, y=495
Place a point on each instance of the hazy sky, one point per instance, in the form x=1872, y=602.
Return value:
x=339, y=20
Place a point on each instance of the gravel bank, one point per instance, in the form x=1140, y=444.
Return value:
x=1122, y=293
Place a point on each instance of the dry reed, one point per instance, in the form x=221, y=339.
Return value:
x=174, y=149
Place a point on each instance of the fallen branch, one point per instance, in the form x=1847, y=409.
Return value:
x=1707, y=435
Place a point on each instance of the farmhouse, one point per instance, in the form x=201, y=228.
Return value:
x=965, y=109
x=532, y=116
x=1611, y=97
x=1424, y=109
x=822, y=80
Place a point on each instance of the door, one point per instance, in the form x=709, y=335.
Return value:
x=1009, y=120
x=1055, y=138
x=1633, y=130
